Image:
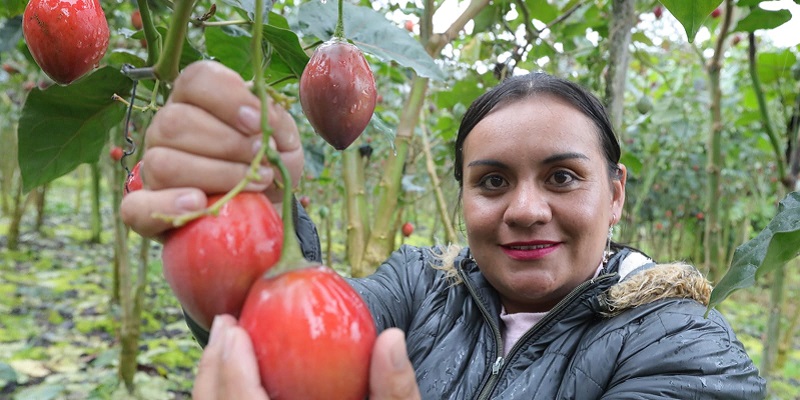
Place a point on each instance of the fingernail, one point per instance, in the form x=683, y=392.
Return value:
x=257, y=146
x=398, y=355
x=215, y=327
x=250, y=118
x=189, y=202
x=227, y=343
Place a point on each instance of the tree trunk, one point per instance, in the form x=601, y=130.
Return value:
x=623, y=18
x=97, y=221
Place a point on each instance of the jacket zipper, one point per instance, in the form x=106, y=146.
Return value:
x=499, y=366
x=488, y=385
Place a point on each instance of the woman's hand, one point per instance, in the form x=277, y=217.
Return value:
x=202, y=142
x=228, y=368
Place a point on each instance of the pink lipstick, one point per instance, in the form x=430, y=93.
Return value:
x=526, y=251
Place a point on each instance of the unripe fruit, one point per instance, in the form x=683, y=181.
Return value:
x=408, y=229
x=211, y=262
x=116, y=153
x=66, y=38
x=644, y=105
x=337, y=92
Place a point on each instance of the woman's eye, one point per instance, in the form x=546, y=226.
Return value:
x=492, y=182
x=562, y=178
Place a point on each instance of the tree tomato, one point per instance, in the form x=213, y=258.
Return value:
x=211, y=262
x=337, y=92
x=312, y=335
x=408, y=229
x=66, y=38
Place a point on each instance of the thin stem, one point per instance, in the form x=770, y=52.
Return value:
x=151, y=35
x=338, y=32
x=167, y=67
x=222, y=23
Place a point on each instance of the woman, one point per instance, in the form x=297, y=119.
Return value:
x=541, y=304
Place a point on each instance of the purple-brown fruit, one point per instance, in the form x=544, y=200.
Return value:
x=337, y=92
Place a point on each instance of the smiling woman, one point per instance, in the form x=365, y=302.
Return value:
x=541, y=304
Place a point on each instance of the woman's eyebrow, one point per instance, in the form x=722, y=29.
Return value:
x=487, y=163
x=564, y=156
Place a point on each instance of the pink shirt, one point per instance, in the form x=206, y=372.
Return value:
x=518, y=323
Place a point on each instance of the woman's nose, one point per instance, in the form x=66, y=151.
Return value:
x=527, y=205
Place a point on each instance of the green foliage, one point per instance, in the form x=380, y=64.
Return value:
x=759, y=18
x=691, y=13
x=57, y=133
x=371, y=32
x=10, y=33
x=11, y=8
x=778, y=243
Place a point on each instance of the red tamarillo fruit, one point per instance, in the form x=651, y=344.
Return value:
x=337, y=92
x=312, y=335
x=66, y=38
x=211, y=262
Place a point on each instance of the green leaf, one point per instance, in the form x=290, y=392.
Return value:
x=287, y=47
x=542, y=10
x=775, y=67
x=12, y=8
x=230, y=45
x=7, y=374
x=778, y=243
x=65, y=126
x=632, y=163
x=371, y=32
x=10, y=33
x=691, y=13
x=760, y=18
x=249, y=6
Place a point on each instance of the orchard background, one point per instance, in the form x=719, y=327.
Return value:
x=705, y=103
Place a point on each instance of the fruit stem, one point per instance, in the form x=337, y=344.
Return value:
x=150, y=33
x=291, y=256
x=338, y=32
x=166, y=68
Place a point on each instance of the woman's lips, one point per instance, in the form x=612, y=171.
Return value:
x=529, y=251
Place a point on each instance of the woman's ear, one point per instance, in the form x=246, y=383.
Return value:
x=618, y=193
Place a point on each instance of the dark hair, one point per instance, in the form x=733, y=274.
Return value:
x=524, y=86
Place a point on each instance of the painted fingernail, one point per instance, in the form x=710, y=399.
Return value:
x=250, y=118
x=189, y=202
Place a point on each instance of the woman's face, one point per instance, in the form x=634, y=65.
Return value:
x=538, y=200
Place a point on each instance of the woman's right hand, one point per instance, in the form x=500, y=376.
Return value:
x=228, y=368
x=202, y=142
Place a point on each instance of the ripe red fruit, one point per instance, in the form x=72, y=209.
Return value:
x=409, y=25
x=736, y=40
x=337, y=92
x=408, y=229
x=116, y=153
x=136, y=20
x=305, y=201
x=700, y=215
x=658, y=12
x=312, y=335
x=716, y=13
x=66, y=38
x=10, y=69
x=211, y=262
x=134, y=181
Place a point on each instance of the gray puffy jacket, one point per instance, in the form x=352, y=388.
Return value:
x=641, y=337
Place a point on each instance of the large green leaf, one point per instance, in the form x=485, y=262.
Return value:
x=760, y=18
x=371, y=32
x=10, y=33
x=691, y=13
x=778, y=243
x=231, y=46
x=65, y=126
x=776, y=67
x=286, y=46
x=12, y=8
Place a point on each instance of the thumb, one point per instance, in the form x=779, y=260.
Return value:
x=391, y=374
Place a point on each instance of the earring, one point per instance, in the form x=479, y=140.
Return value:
x=607, y=253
